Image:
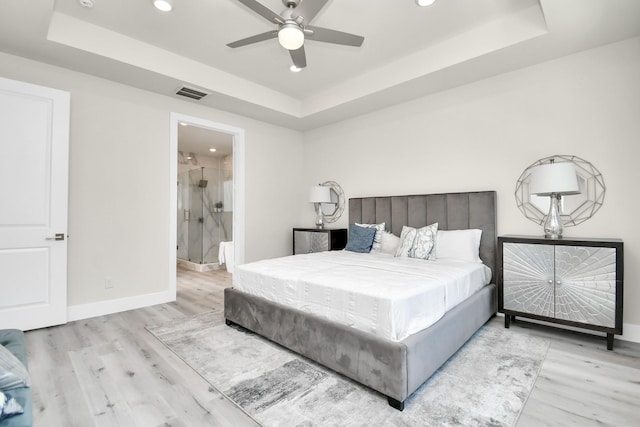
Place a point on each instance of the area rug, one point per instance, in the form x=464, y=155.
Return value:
x=486, y=383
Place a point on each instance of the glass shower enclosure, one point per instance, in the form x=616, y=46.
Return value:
x=205, y=214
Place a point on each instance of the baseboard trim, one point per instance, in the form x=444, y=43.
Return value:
x=101, y=308
x=630, y=331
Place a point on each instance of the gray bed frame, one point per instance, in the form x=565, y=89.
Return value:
x=395, y=369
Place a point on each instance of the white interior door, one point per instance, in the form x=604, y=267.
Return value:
x=34, y=157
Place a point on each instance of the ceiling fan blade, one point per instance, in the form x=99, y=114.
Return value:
x=254, y=39
x=332, y=36
x=298, y=57
x=308, y=9
x=263, y=11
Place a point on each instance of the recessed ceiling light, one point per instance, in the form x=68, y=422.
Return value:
x=425, y=2
x=163, y=5
x=213, y=150
x=86, y=3
x=295, y=69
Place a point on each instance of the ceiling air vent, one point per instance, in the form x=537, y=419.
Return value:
x=191, y=93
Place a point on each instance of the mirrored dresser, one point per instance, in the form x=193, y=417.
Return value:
x=575, y=282
x=307, y=240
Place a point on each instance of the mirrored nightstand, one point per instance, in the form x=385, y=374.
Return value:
x=307, y=240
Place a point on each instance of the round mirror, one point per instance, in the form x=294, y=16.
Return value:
x=574, y=209
x=333, y=211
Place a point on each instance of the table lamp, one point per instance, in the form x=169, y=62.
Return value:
x=318, y=195
x=554, y=180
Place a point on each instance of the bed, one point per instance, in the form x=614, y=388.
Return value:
x=393, y=365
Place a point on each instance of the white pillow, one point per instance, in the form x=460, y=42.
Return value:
x=390, y=243
x=377, y=239
x=459, y=244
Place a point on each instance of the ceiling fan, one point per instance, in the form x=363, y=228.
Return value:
x=293, y=28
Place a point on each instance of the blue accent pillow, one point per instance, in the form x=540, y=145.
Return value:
x=360, y=239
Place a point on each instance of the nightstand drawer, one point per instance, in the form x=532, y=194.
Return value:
x=308, y=240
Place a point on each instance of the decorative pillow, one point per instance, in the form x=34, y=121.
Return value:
x=407, y=236
x=459, y=244
x=424, y=242
x=377, y=240
x=13, y=373
x=9, y=406
x=390, y=243
x=360, y=239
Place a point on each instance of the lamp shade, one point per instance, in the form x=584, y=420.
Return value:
x=319, y=194
x=550, y=178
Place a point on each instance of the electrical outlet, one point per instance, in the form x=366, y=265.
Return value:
x=108, y=283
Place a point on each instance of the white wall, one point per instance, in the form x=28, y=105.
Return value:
x=476, y=137
x=119, y=175
x=483, y=135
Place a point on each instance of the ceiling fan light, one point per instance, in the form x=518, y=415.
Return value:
x=163, y=5
x=290, y=36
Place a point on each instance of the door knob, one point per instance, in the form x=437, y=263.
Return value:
x=58, y=236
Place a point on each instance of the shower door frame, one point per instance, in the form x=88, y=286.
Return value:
x=238, y=221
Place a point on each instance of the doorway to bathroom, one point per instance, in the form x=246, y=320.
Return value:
x=208, y=195
x=205, y=197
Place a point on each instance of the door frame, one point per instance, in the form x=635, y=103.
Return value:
x=238, y=228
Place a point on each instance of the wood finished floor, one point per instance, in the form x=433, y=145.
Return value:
x=109, y=371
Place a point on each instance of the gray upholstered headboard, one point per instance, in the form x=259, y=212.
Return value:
x=452, y=211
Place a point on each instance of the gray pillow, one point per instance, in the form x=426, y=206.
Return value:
x=360, y=239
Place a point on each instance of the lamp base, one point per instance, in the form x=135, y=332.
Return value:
x=319, y=215
x=553, y=224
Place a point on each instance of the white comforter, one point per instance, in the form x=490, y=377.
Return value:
x=376, y=293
